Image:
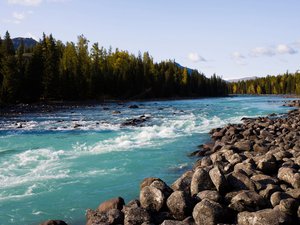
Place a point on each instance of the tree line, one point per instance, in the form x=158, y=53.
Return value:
x=288, y=83
x=53, y=70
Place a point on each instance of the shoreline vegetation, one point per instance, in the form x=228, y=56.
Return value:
x=56, y=71
x=248, y=174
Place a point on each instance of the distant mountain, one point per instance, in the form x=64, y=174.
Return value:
x=28, y=42
x=189, y=70
x=242, y=79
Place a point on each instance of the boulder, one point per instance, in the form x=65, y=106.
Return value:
x=288, y=206
x=211, y=195
x=247, y=201
x=263, y=217
x=200, y=181
x=208, y=212
x=244, y=145
x=133, y=107
x=295, y=193
x=277, y=197
x=165, y=189
x=152, y=198
x=266, y=192
x=54, y=222
x=147, y=181
x=239, y=181
x=184, y=182
x=136, y=216
x=264, y=180
x=94, y=217
x=114, y=203
x=290, y=176
x=180, y=205
x=218, y=179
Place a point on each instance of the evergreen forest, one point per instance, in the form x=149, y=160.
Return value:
x=288, y=83
x=53, y=70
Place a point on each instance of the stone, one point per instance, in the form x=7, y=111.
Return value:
x=159, y=184
x=288, y=206
x=244, y=145
x=247, y=201
x=54, y=222
x=133, y=107
x=263, y=217
x=211, y=195
x=277, y=197
x=208, y=212
x=180, y=205
x=95, y=217
x=295, y=193
x=201, y=181
x=260, y=148
x=290, y=176
x=184, y=182
x=239, y=181
x=148, y=181
x=152, y=198
x=267, y=167
x=114, y=203
x=115, y=216
x=266, y=192
x=264, y=180
x=136, y=216
x=218, y=179
x=175, y=222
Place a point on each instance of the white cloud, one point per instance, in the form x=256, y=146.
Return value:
x=195, y=57
x=237, y=56
x=25, y=2
x=262, y=51
x=285, y=49
x=18, y=16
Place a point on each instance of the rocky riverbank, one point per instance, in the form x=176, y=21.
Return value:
x=249, y=174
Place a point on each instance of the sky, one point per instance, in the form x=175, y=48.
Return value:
x=231, y=38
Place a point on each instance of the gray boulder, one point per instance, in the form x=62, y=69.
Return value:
x=208, y=212
x=201, y=181
x=263, y=217
x=180, y=205
x=152, y=198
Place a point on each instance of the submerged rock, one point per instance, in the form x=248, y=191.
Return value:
x=54, y=222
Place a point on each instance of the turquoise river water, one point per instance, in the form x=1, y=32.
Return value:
x=61, y=163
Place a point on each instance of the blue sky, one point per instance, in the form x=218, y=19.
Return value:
x=232, y=38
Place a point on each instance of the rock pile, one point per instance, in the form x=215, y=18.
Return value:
x=249, y=174
x=293, y=103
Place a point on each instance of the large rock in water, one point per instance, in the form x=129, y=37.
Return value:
x=263, y=217
x=54, y=222
x=114, y=203
x=208, y=212
x=180, y=204
x=152, y=198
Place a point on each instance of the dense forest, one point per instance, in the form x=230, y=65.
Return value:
x=282, y=84
x=52, y=70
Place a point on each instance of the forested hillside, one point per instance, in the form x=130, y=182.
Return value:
x=281, y=84
x=52, y=70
